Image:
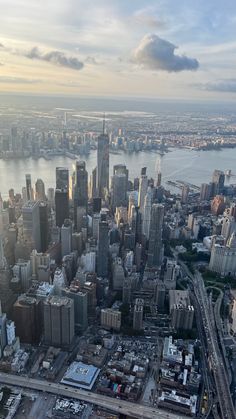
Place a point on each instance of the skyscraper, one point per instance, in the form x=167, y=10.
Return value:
x=44, y=227
x=80, y=189
x=119, y=186
x=218, y=180
x=62, y=178
x=39, y=190
x=14, y=145
x=147, y=213
x=29, y=193
x=103, y=245
x=61, y=206
x=66, y=238
x=103, y=163
x=58, y=314
x=155, y=248
x=31, y=224
x=143, y=185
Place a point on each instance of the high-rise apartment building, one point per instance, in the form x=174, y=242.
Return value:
x=181, y=310
x=147, y=213
x=143, y=186
x=111, y=319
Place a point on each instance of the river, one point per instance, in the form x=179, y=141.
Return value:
x=179, y=164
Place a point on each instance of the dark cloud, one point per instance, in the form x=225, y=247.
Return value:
x=55, y=57
x=18, y=80
x=227, y=86
x=1, y=45
x=155, y=53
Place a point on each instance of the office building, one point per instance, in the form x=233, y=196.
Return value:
x=81, y=184
x=89, y=287
x=44, y=225
x=205, y=192
x=103, y=247
x=138, y=314
x=95, y=224
x=218, y=180
x=28, y=319
x=29, y=191
x=102, y=164
x=111, y=319
x=40, y=190
x=127, y=291
x=118, y=190
x=3, y=262
x=51, y=198
x=58, y=316
x=181, y=310
x=143, y=186
x=80, y=191
x=155, y=248
x=171, y=274
x=218, y=205
x=22, y=270
x=62, y=178
x=61, y=206
x=118, y=275
x=80, y=305
x=31, y=224
x=185, y=194
x=66, y=238
x=3, y=330
x=159, y=295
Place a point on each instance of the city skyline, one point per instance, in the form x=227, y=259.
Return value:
x=141, y=49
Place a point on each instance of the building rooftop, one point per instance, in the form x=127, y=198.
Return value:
x=81, y=375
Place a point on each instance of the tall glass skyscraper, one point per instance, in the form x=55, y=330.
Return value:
x=103, y=163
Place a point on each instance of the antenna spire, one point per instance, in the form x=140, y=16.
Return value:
x=104, y=123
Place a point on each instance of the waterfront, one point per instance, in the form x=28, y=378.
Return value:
x=188, y=165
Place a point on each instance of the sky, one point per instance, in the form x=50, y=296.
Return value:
x=159, y=49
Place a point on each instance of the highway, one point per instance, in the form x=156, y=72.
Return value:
x=215, y=359
x=134, y=410
x=215, y=356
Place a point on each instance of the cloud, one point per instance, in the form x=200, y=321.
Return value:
x=224, y=86
x=1, y=45
x=55, y=57
x=17, y=80
x=155, y=53
x=91, y=60
x=144, y=17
